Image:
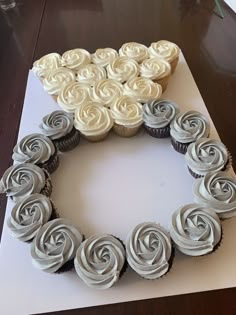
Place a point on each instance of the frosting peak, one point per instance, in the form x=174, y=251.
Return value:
x=164, y=49
x=74, y=58
x=133, y=50
x=45, y=64
x=90, y=74
x=103, y=56
x=122, y=68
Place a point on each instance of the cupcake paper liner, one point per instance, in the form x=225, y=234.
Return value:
x=52, y=164
x=180, y=147
x=174, y=64
x=125, y=266
x=195, y=175
x=96, y=138
x=68, y=142
x=47, y=189
x=124, y=131
x=158, y=132
x=163, y=82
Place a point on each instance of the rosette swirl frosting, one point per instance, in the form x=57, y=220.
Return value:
x=91, y=74
x=57, y=79
x=189, y=126
x=44, y=65
x=122, y=68
x=57, y=124
x=195, y=230
x=99, y=261
x=55, y=244
x=217, y=191
x=127, y=112
x=22, y=180
x=159, y=114
x=106, y=91
x=28, y=216
x=164, y=49
x=72, y=95
x=155, y=68
x=148, y=250
x=133, y=50
x=35, y=148
x=206, y=155
x=103, y=56
x=74, y=58
x=142, y=89
x=93, y=119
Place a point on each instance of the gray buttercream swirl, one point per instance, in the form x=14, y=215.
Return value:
x=34, y=148
x=22, y=180
x=159, y=114
x=57, y=124
x=55, y=244
x=217, y=191
x=206, y=155
x=195, y=229
x=148, y=250
x=99, y=261
x=28, y=216
x=189, y=126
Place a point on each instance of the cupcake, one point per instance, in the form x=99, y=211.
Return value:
x=75, y=58
x=127, y=115
x=72, y=95
x=29, y=215
x=207, y=155
x=149, y=250
x=37, y=149
x=46, y=64
x=142, y=89
x=217, y=191
x=186, y=128
x=91, y=74
x=59, y=127
x=133, y=50
x=104, y=56
x=93, y=120
x=54, y=247
x=157, y=70
x=100, y=261
x=21, y=180
x=195, y=230
x=106, y=91
x=166, y=50
x=122, y=68
x=157, y=116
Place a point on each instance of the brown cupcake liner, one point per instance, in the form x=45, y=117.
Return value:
x=68, y=142
x=124, y=131
x=54, y=214
x=174, y=64
x=52, y=164
x=125, y=266
x=96, y=138
x=158, y=132
x=180, y=147
x=163, y=82
x=47, y=189
x=195, y=175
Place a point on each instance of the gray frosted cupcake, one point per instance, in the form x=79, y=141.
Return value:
x=186, y=128
x=207, y=155
x=149, y=250
x=217, y=191
x=59, y=127
x=157, y=116
x=37, y=149
x=21, y=180
x=195, y=230
x=100, y=261
x=55, y=245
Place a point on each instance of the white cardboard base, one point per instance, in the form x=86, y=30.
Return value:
x=231, y=4
x=110, y=187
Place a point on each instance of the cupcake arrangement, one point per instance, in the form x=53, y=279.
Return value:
x=119, y=91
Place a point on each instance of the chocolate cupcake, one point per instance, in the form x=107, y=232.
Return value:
x=59, y=127
x=21, y=180
x=37, y=149
x=149, y=250
x=207, y=155
x=54, y=247
x=186, y=128
x=100, y=261
x=157, y=116
x=195, y=230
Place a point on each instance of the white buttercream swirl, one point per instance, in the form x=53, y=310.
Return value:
x=164, y=49
x=106, y=91
x=103, y=56
x=148, y=250
x=91, y=74
x=155, y=68
x=195, y=230
x=44, y=65
x=28, y=216
x=122, y=68
x=133, y=50
x=55, y=244
x=99, y=261
x=74, y=58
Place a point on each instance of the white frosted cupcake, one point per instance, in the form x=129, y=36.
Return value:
x=93, y=120
x=133, y=50
x=74, y=58
x=142, y=89
x=122, y=68
x=127, y=115
x=166, y=50
x=45, y=64
x=106, y=91
x=90, y=74
x=103, y=56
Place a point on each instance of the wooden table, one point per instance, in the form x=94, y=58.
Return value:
x=37, y=27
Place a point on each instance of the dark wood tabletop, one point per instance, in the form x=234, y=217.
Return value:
x=37, y=27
